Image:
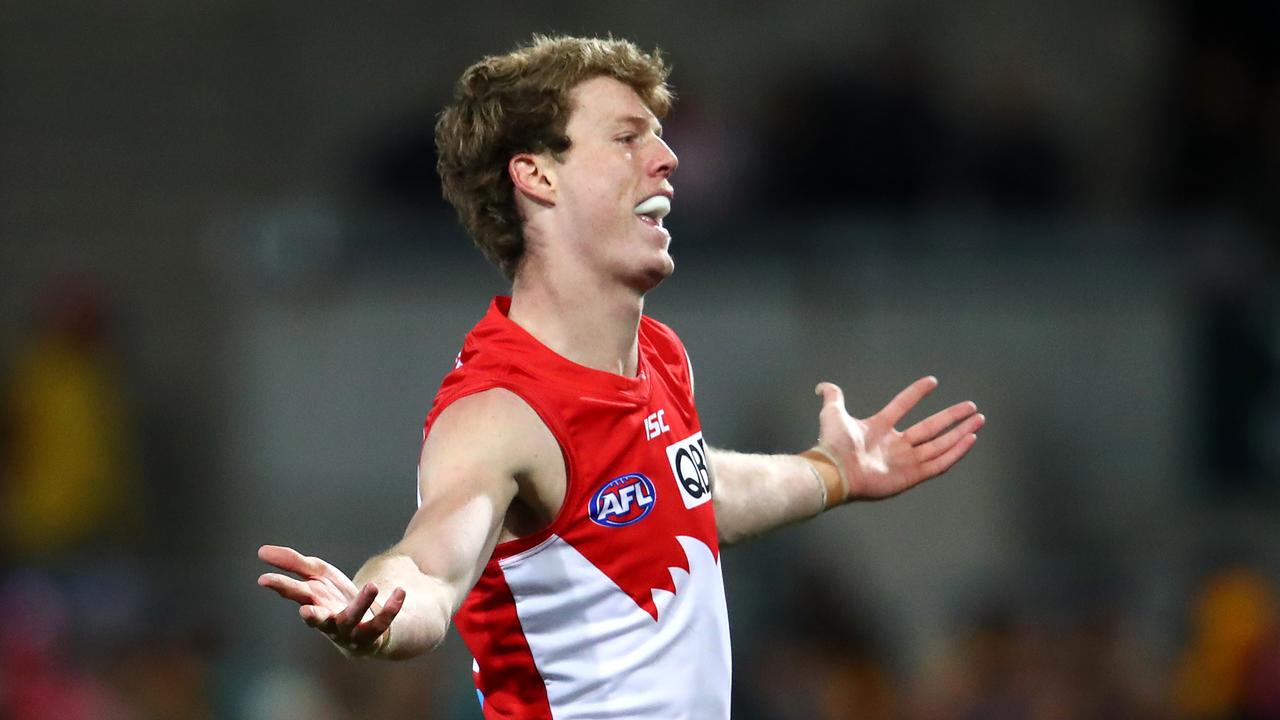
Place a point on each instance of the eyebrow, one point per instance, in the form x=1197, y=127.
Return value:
x=642, y=122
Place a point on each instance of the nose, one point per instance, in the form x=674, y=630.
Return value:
x=665, y=161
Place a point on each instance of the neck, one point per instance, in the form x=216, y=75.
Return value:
x=591, y=324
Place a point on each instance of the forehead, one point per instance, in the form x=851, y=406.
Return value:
x=603, y=100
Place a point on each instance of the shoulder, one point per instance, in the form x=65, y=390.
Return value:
x=495, y=427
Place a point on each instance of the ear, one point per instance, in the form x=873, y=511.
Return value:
x=531, y=175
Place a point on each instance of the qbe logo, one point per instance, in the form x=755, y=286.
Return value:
x=622, y=501
x=688, y=459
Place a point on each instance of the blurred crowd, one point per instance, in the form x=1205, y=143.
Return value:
x=879, y=130
x=98, y=636
x=1020, y=662
x=102, y=625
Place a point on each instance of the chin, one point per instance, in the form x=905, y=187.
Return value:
x=649, y=277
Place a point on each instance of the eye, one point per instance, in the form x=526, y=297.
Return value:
x=628, y=139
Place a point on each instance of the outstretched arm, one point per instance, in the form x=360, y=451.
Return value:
x=867, y=459
x=401, y=601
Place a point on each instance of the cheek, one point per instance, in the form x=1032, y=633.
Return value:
x=601, y=194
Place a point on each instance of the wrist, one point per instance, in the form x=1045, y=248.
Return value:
x=382, y=646
x=835, y=487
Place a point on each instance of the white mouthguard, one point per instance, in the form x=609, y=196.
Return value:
x=656, y=207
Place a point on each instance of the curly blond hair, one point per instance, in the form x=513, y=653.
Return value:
x=519, y=102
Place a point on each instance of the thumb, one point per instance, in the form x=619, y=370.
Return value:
x=831, y=394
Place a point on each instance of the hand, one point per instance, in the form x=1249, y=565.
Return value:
x=330, y=602
x=875, y=460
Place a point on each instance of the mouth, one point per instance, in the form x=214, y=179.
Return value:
x=653, y=209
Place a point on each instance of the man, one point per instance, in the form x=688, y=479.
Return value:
x=570, y=511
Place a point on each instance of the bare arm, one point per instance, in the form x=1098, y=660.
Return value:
x=757, y=493
x=854, y=460
x=402, y=600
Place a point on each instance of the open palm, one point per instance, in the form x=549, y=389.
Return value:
x=330, y=602
x=878, y=461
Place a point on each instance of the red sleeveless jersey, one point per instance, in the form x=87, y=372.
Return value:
x=615, y=610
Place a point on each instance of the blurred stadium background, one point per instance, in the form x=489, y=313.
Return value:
x=229, y=289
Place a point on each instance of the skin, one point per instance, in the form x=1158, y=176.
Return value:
x=491, y=471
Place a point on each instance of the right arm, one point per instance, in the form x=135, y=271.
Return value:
x=402, y=600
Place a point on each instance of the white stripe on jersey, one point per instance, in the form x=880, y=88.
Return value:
x=603, y=656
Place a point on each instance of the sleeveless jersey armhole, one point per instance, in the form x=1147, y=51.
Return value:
x=520, y=544
x=688, y=366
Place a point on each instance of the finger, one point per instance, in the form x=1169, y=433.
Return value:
x=831, y=394
x=314, y=615
x=900, y=405
x=288, y=588
x=368, y=632
x=939, y=445
x=291, y=560
x=929, y=428
x=354, y=613
x=943, y=462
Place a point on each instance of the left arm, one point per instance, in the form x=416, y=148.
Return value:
x=854, y=459
x=756, y=493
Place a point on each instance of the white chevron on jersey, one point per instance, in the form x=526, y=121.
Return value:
x=602, y=656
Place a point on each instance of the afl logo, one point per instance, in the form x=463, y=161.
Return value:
x=622, y=501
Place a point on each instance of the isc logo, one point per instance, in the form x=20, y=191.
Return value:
x=655, y=425
x=688, y=460
x=622, y=501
